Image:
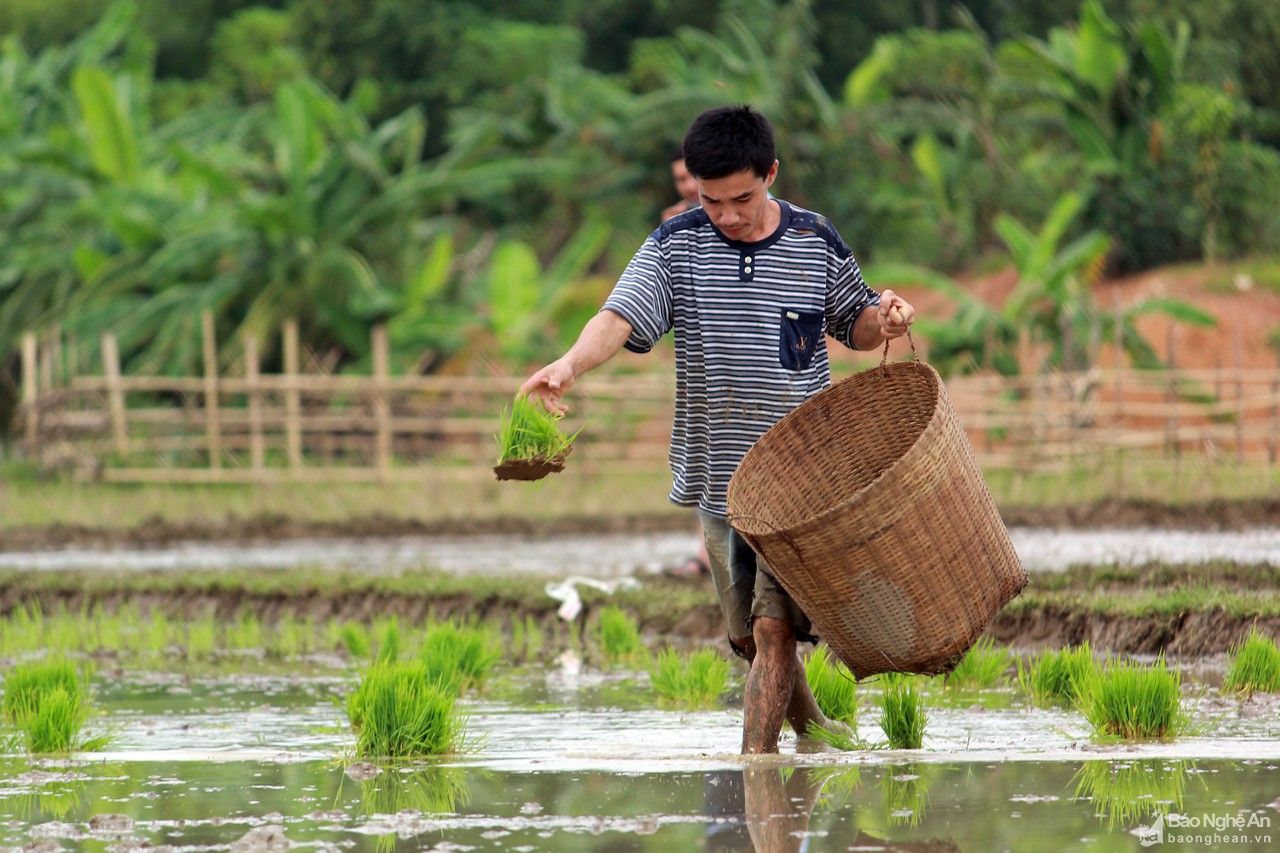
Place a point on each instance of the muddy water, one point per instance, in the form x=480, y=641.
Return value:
x=573, y=759
x=618, y=555
x=940, y=807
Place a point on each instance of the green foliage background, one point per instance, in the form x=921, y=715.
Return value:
x=441, y=165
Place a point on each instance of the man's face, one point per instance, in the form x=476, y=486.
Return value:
x=738, y=204
x=685, y=183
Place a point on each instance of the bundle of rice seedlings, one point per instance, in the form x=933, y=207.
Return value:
x=389, y=645
x=1254, y=666
x=458, y=654
x=984, y=665
x=1133, y=701
x=1057, y=676
x=530, y=443
x=48, y=701
x=690, y=682
x=526, y=639
x=401, y=710
x=619, y=636
x=902, y=716
x=833, y=686
x=355, y=639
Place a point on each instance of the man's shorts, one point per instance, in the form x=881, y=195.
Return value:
x=744, y=584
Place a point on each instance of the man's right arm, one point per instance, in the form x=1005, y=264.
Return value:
x=600, y=340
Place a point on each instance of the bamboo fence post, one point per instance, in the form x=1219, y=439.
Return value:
x=292, y=396
x=46, y=362
x=30, y=388
x=212, y=417
x=381, y=402
x=1171, y=425
x=1273, y=440
x=115, y=393
x=58, y=373
x=257, y=453
x=1120, y=413
x=1239, y=359
x=73, y=358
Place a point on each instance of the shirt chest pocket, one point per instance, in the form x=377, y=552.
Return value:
x=798, y=337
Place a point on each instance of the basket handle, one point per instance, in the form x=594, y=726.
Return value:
x=885, y=355
x=784, y=535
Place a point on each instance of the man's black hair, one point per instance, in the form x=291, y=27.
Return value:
x=677, y=153
x=727, y=140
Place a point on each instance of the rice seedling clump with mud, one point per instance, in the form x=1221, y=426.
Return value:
x=530, y=443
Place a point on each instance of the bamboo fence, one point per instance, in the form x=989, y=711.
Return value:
x=244, y=425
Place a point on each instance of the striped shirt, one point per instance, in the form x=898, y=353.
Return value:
x=749, y=322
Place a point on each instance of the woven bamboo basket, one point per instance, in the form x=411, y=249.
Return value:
x=868, y=505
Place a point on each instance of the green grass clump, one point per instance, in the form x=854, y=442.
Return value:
x=389, y=645
x=402, y=710
x=527, y=639
x=902, y=712
x=695, y=681
x=833, y=686
x=528, y=431
x=619, y=636
x=1133, y=701
x=26, y=684
x=459, y=654
x=1254, y=666
x=48, y=701
x=1058, y=676
x=984, y=665
x=355, y=639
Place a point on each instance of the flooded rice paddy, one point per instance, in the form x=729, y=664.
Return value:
x=567, y=757
x=621, y=555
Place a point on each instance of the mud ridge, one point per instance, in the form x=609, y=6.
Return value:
x=1186, y=634
x=155, y=532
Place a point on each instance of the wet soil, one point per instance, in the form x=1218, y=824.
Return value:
x=1206, y=515
x=529, y=469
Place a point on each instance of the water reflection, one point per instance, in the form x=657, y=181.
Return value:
x=429, y=790
x=906, y=793
x=1124, y=792
x=52, y=799
x=779, y=803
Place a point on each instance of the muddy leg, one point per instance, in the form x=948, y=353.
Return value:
x=803, y=708
x=769, y=684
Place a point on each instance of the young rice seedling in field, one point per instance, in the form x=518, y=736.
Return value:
x=48, y=701
x=458, y=654
x=1057, y=676
x=984, y=665
x=833, y=686
x=695, y=681
x=402, y=710
x=619, y=636
x=1254, y=666
x=903, y=718
x=1133, y=701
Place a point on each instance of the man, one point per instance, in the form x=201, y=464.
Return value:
x=749, y=283
x=686, y=186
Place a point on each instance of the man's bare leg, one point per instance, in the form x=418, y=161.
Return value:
x=803, y=709
x=770, y=684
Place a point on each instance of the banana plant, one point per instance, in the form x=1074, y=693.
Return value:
x=1051, y=300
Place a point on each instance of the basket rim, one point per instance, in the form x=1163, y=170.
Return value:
x=935, y=381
